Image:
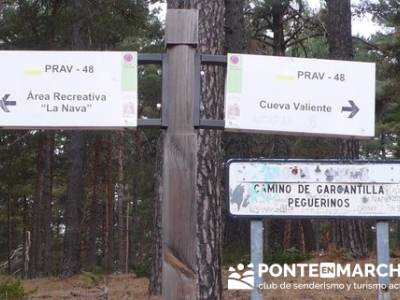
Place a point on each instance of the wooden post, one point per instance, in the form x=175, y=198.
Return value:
x=179, y=277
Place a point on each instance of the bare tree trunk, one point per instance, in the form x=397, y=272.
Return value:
x=155, y=285
x=109, y=211
x=278, y=13
x=42, y=208
x=235, y=33
x=48, y=203
x=95, y=210
x=9, y=235
x=350, y=234
x=235, y=231
x=35, y=249
x=71, y=262
x=25, y=247
x=209, y=220
x=292, y=233
x=277, y=233
x=122, y=228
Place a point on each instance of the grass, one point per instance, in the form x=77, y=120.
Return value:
x=12, y=289
x=289, y=256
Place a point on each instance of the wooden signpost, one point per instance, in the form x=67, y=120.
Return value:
x=179, y=277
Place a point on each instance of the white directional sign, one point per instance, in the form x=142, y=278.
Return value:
x=60, y=89
x=313, y=188
x=297, y=95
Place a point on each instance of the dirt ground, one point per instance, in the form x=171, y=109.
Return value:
x=129, y=287
x=116, y=287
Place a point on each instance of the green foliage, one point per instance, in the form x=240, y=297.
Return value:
x=109, y=25
x=289, y=256
x=142, y=269
x=232, y=255
x=16, y=172
x=89, y=278
x=383, y=48
x=303, y=29
x=12, y=289
x=306, y=148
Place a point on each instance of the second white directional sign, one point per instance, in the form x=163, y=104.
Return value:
x=297, y=95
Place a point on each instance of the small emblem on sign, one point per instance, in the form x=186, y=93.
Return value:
x=234, y=59
x=128, y=57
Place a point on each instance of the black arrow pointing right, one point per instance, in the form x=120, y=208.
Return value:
x=353, y=108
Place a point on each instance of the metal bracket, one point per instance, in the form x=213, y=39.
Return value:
x=205, y=59
x=197, y=90
x=164, y=92
x=157, y=59
x=200, y=59
x=150, y=58
x=149, y=123
x=208, y=59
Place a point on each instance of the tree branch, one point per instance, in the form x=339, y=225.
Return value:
x=370, y=45
x=303, y=39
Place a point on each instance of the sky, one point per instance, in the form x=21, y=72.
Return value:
x=360, y=26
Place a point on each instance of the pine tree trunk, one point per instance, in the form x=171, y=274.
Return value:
x=278, y=13
x=350, y=234
x=155, y=285
x=9, y=236
x=47, y=203
x=34, y=268
x=25, y=246
x=72, y=216
x=109, y=210
x=95, y=210
x=235, y=33
x=236, y=231
x=122, y=228
x=71, y=261
x=279, y=234
x=209, y=221
x=42, y=208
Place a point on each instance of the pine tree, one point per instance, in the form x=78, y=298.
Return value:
x=346, y=233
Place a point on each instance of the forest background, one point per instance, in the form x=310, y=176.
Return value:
x=90, y=201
